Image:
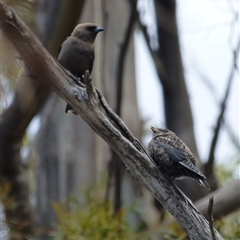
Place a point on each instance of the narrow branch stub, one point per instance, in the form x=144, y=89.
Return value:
x=210, y=214
x=91, y=91
x=74, y=78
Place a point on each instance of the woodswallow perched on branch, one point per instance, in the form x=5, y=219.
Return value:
x=77, y=51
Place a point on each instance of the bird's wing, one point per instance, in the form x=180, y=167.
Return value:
x=177, y=155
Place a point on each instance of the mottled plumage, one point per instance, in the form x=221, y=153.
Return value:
x=77, y=51
x=173, y=156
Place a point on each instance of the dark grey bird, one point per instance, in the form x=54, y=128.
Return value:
x=77, y=51
x=173, y=156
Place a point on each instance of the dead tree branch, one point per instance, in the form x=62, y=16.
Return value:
x=226, y=200
x=210, y=217
x=87, y=104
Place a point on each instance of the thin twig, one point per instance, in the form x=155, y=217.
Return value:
x=122, y=55
x=210, y=211
x=211, y=158
x=208, y=83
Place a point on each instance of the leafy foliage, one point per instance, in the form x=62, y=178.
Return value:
x=92, y=217
x=225, y=172
x=228, y=226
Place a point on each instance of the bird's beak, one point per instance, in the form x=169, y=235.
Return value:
x=154, y=129
x=98, y=29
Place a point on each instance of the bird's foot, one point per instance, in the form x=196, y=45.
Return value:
x=79, y=81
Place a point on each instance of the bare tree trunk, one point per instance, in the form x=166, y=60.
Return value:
x=67, y=158
x=55, y=21
x=13, y=124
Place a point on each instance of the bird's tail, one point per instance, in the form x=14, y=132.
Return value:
x=198, y=176
x=202, y=181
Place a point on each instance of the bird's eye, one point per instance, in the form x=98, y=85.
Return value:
x=91, y=28
x=164, y=134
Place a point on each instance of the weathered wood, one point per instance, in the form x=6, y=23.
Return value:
x=226, y=200
x=87, y=104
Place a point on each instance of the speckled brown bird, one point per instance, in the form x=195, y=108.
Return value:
x=173, y=156
x=77, y=51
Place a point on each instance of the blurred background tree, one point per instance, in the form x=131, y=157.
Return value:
x=48, y=156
